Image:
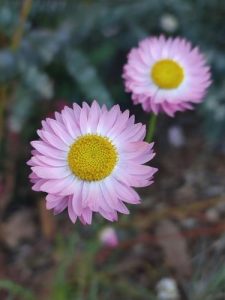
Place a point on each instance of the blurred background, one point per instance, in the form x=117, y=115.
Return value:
x=172, y=246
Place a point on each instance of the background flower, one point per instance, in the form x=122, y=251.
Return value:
x=166, y=75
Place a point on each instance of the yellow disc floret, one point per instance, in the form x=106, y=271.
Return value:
x=92, y=157
x=167, y=74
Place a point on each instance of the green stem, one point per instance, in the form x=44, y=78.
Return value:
x=151, y=128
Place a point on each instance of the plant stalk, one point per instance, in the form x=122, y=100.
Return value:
x=151, y=128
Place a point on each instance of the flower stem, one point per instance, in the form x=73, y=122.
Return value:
x=151, y=128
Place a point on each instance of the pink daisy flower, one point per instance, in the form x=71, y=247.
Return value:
x=166, y=75
x=88, y=159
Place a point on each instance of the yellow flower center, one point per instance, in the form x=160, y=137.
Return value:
x=92, y=157
x=167, y=74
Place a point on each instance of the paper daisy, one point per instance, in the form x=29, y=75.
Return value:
x=88, y=159
x=166, y=75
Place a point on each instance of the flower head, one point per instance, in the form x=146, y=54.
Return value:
x=88, y=159
x=166, y=75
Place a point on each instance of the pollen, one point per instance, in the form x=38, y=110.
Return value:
x=92, y=157
x=167, y=74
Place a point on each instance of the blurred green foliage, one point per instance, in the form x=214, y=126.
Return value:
x=16, y=290
x=76, y=49
x=80, y=275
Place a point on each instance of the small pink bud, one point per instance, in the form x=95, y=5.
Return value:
x=108, y=237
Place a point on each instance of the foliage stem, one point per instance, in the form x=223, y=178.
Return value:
x=17, y=36
x=15, y=42
x=2, y=105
